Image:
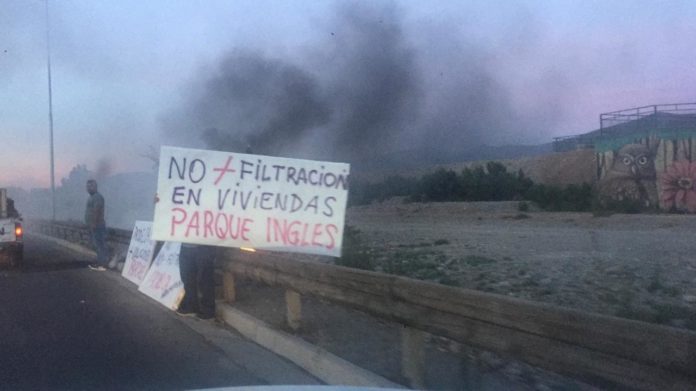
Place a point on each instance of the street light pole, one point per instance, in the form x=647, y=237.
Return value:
x=50, y=112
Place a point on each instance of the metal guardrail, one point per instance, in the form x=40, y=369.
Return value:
x=74, y=232
x=600, y=350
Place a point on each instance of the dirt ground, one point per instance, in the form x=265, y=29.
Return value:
x=634, y=266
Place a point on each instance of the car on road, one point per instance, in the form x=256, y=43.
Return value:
x=11, y=232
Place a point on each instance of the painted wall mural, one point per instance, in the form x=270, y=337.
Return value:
x=655, y=172
x=679, y=186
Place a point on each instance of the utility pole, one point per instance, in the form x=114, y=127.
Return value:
x=50, y=112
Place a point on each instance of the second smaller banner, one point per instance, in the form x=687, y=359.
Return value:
x=163, y=280
x=140, y=253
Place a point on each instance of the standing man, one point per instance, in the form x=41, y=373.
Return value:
x=94, y=218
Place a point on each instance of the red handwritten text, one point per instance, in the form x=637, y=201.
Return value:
x=160, y=281
x=300, y=234
x=137, y=269
x=209, y=224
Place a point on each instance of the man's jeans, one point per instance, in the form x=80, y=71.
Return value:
x=99, y=241
x=197, y=268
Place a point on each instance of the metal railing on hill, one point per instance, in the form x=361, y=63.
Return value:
x=600, y=350
x=679, y=113
x=674, y=118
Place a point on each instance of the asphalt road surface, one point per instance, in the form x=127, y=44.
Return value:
x=64, y=326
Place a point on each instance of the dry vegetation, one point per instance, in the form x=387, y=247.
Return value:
x=635, y=266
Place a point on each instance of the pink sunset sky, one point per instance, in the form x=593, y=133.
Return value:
x=122, y=70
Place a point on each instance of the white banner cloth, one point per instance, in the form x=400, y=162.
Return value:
x=163, y=280
x=241, y=200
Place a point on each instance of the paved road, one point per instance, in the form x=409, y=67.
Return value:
x=63, y=326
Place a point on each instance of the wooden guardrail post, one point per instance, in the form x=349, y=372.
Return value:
x=293, y=302
x=413, y=356
x=229, y=291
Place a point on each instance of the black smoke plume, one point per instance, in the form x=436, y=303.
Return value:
x=370, y=86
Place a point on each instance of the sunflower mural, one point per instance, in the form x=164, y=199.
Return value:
x=679, y=187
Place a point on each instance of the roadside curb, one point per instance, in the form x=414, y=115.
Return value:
x=116, y=266
x=317, y=361
x=72, y=246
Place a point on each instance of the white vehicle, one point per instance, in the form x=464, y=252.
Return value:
x=11, y=232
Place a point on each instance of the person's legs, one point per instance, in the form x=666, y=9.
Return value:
x=206, y=284
x=99, y=238
x=188, y=269
x=93, y=239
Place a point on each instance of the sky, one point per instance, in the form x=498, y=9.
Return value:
x=333, y=80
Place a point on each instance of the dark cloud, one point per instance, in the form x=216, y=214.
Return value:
x=369, y=86
x=253, y=100
x=358, y=99
x=370, y=80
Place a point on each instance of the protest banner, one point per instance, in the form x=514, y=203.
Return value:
x=163, y=281
x=140, y=253
x=242, y=200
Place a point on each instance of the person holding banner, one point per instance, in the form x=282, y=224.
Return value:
x=197, y=269
x=94, y=218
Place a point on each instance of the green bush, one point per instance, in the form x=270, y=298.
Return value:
x=364, y=192
x=523, y=206
x=618, y=206
x=492, y=183
x=355, y=253
x=442, y=185
x=576, y=198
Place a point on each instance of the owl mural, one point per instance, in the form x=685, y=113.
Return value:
x=631, y=176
